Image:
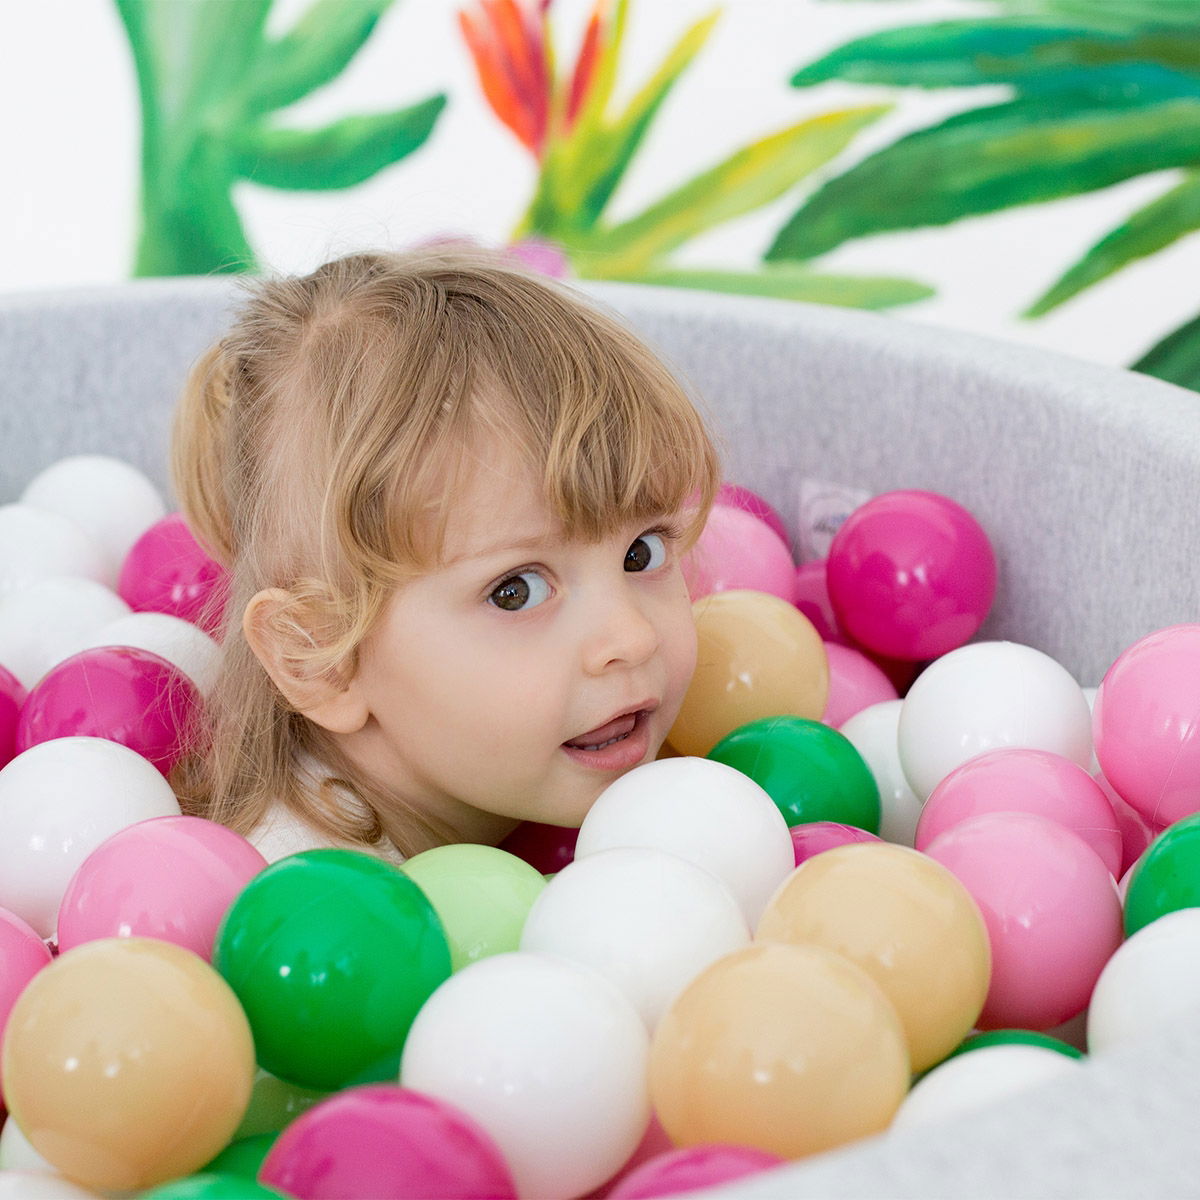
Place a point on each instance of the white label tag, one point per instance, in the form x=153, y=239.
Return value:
x=823, y=508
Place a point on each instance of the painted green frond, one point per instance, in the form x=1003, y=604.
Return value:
x=789, y=281
x=1031, y=150
x=1031, y=55
x=753, y=176
x=596, y=159
x=1176, y=358
x=190, y=53
x=340, y=155
x=313, y=52
x=1146, y=232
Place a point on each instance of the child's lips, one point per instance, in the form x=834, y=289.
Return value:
x=617, y=745
x=619, y=726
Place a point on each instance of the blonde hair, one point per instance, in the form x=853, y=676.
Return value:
x=315, y=446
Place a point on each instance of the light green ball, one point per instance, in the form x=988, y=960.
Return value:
x=481, y=894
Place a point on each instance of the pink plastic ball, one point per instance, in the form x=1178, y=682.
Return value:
x=1052, y=913
x=911, y=575
x=736, y=496
x=120, y=693
x=692, y=1168
x=547, y=848
x=383, y=1140
x=738, y=551
x=22, y=955
x=12, y=696
x=168, y=571
x=1146, y=724
x=1022, y=780
x=812, y=599
x=171, y=878
x=1136, y=832
x=818, y=836
x=855, y=683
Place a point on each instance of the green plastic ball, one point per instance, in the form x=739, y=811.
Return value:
x=211, y=1186
x=331, y=953
x=1166, y=877
x=243, y=1156
x=1015, y=1037
x=274, y=1104
x=811, y=771
x=481, y=894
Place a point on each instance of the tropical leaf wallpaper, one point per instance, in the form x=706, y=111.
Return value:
x=1024, y=168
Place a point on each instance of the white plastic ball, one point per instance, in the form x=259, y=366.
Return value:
x=58, y=801
x=180, y=642
x=110, y=500
x=702, y=811
x=970, y=1081
x=874, y=733
x=44, y=623
x=18, y=1154
x=648, y=921
x=546, y=1055
x=985, y=696
x=35, y=1185
x=1151, y=980
x=35, y=544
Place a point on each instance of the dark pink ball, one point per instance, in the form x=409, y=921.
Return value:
x=547, y=848
x=911, y=575
x=814, y=837
x=692, y=1168
x=121, y=693
x=12, y=696
x=168, y=571
x=382, y=1140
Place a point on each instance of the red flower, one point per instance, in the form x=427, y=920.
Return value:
x=509, y=42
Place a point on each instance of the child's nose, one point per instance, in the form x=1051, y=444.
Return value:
x=624, y=635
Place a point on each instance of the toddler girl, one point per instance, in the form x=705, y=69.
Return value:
x=453, y=498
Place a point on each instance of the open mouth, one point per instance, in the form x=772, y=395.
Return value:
x=616, y=730
x=619, y=743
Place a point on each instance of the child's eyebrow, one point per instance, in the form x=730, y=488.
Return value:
x=506, y=546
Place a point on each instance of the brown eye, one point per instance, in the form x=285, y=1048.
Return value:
x=526, y=590
x=648, y=552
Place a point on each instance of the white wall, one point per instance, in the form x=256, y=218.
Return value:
x=70, y=127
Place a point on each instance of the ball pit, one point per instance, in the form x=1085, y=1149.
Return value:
x=1077, y=590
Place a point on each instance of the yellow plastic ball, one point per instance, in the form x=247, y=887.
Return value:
x=905, y=920
x=758, y=656
x=127, y=1062
x=791, y=1049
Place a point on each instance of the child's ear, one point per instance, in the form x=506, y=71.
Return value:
x=278, y=639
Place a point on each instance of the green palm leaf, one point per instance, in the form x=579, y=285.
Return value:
x=313, y=52
x=1144, y=233
x=790, y=281
x=753, y=176
x=1176, y=358
x=340, y=155
x=1033, y=56
x=1033, y=149
x=582, y=178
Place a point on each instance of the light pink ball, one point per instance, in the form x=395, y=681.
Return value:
x=1136, y=832
x=1146, y=724
x=171, y=878
x=1052, y=913
x=855, y=683
x=737, y=550
x=1023, y=780
x=736, y=496
x=22, y=955
x=812, y=599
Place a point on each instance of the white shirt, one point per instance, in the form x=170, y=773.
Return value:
x=282, y=832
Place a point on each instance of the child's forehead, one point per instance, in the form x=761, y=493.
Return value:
x=493, y=505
